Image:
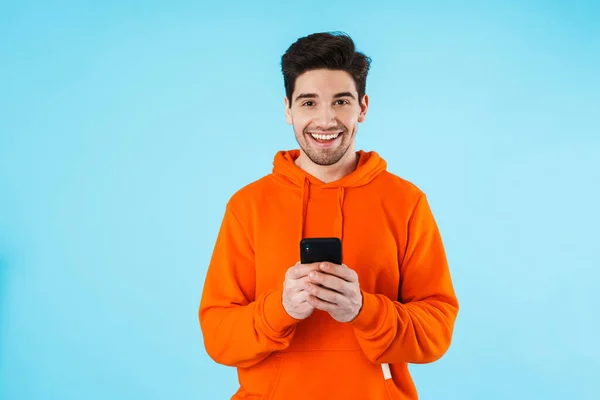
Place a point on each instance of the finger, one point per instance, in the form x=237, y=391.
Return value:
x=341, y=271
x=300, y=297
x=326, y=294
x=301, y=270
x=329, y=281
x=295, y=285
x=321, y=304
x=289, y=274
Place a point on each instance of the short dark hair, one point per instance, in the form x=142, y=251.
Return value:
x=329, y=50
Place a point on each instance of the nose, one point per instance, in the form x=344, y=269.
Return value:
x=326, y=117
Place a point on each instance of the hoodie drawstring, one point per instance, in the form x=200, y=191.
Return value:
x=339, y=220
x=305, y=194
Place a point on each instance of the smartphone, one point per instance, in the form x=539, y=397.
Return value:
x=321, y=249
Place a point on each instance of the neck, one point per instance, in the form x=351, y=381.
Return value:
x=329, y=173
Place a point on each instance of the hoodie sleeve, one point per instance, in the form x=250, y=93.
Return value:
x=418, y=329
x=239, y=330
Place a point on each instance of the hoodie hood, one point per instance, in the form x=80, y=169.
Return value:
x=370, y=164
x=285, y=171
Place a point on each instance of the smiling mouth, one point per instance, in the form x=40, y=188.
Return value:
x=325, y=137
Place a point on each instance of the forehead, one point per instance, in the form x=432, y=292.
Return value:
x=324, y=82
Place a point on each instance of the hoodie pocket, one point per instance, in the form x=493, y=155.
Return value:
x=327, y=375
x=259, y=380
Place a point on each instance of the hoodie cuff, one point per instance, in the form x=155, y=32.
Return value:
x=275, y=316
x=367, y=318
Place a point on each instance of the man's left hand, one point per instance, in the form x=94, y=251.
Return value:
x=339, y=293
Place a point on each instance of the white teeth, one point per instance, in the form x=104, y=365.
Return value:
x=325, y=137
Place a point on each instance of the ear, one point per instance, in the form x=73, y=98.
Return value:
x=364, y=106
x=288, y=112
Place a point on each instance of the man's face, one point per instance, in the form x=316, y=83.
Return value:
x=325, y=114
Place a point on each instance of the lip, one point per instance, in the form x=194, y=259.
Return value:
x=324, y=145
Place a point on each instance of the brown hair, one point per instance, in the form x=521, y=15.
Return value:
x=324, y=50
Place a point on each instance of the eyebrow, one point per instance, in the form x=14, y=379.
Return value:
x=314, y=95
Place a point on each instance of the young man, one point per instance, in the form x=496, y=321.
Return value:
x=327, y=331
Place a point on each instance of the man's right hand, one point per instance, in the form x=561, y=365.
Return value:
x=294, y=296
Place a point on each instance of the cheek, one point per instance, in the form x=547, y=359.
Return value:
x=301, y=123
x=349, y=117
x=350, y=122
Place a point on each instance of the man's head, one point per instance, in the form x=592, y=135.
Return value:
x=325, y=83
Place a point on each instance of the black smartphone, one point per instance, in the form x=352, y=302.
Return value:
x=321, y=249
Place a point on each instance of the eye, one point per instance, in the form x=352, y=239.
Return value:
x=308, y=103
x=342, y=102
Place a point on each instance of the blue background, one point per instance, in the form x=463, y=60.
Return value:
x=126, y=126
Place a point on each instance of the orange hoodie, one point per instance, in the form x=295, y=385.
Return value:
x=389, y=237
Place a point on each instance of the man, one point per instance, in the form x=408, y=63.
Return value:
x=327, y=331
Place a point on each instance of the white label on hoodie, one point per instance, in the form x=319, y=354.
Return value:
x=387, y=374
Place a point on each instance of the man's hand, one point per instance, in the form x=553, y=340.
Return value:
x=339, y=293
x=295, y=297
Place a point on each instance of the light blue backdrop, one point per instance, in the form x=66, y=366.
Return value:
x=126, y=126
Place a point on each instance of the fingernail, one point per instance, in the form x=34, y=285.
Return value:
x=323, y=266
